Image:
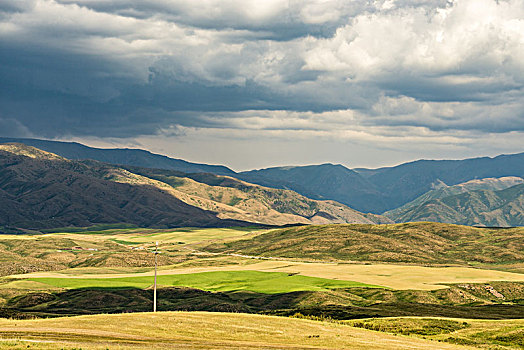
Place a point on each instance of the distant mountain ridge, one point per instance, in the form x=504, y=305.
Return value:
x=325, y=181
x=383, y=189
x=502, y=208
x=365, y=190
x=443, y=191
x=406, y=182
x=124, y=156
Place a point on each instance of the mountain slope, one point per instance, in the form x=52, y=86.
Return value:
x=52, y=191
x=42, y=190
x=135, y=157
x=235, y=199
x=443, y=191
x=326, y=181
x=482, y=207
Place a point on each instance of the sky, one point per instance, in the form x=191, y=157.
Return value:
x=252, y=84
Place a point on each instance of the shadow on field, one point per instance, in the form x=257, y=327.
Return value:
x=349, y=303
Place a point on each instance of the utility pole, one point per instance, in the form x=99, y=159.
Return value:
x=154, y=291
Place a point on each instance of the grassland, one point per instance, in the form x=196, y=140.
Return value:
x=109, y=270
x=400, y=277
x=113, y=248
x=119, y=252
x=197, y=330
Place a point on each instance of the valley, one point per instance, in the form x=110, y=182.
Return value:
x=77, y=242
x=112, y=269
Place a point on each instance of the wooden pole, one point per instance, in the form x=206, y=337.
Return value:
x=154, y=291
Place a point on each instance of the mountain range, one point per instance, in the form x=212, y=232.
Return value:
x=39, y=190
x=135, y=157
x=383, y=189
x=411, y=191
x=501, y=208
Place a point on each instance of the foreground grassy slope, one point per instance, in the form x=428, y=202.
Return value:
x=197, y=330
x=507, y=334
x=423, y=243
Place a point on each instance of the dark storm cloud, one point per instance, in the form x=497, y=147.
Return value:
x=129, y=68
x=282, y=20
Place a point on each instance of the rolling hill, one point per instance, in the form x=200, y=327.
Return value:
x=42, y=190
x=426, y=243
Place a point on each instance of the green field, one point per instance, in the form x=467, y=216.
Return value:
x=396, y=276
x=254, y=281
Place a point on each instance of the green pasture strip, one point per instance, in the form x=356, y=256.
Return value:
x=255, y=281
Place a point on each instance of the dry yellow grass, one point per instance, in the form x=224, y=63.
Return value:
x=198, y=330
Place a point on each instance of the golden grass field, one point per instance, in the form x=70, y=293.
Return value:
x=198, y=330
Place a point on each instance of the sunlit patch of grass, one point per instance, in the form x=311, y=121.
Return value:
x=255, y=281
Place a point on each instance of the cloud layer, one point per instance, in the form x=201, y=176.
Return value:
x=430, y=71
